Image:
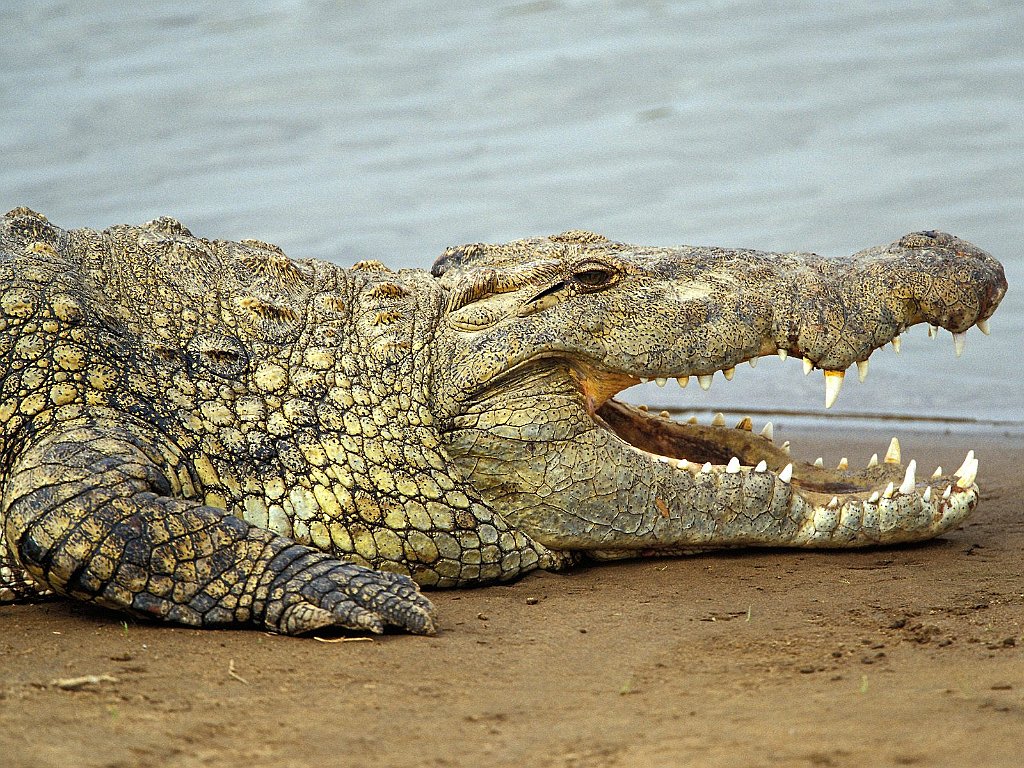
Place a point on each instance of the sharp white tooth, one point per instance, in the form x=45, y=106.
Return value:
x=786, y=475
x=644, y=379
x=785, y=447
x=892, y=456
x=692, y=420
x=706, y=468
x=967, y=463
x=896, y=344
x=752, y=362
x=927, y=495
x=945, y=493
x=834, y=503
x=844, y=463
x=873, y=462
x=768, y=433
x=932, y=330
x=664, y=459
x=661, y=381
x=718, y=420
x=959, y=341
x=862, y=370
x=937, y=473
x=682, y=381
x=644, y=407
x=967, y=480
x=683, y=464
x=705, y=381
x=909, y=481
x=874, y=498
x=664, y=414
x=983, y=326
x=761, y=466
x=746, y=424
x=833, y=383
x=783, y=354
x=819, y=463
x=888, y=492
x=808, y=365
x=729, y=373
x=733, y=466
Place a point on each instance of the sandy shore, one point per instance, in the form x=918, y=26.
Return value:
x=909, y=656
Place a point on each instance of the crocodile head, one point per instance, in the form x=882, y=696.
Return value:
x=539, y=336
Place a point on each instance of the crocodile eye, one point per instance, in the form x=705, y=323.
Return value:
x=594, y=277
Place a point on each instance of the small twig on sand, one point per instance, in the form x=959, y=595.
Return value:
x=343, y=639
x=77, y=683
x=235, y=675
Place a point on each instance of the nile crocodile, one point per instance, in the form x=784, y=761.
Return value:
x=212, y=433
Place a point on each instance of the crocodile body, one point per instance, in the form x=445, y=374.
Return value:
x=212, y=433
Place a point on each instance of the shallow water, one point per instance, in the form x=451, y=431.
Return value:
x=391, y=130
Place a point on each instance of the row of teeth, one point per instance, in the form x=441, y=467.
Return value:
x=833, y=379
x=966, y=474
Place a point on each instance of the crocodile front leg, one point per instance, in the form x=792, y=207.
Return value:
x=89, y=513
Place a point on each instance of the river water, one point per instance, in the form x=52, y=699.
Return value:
x=352, y=130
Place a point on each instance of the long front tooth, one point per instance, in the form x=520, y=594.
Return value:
x=833, y=383
x=786, y=475
x=983, y=326
x=967, y=463
x=728, y=373
x=733, y=466
x=718, y=420
x=927, y=495
x=862, y=370
x=705, y=381
x=896, y=344
x=768, y=433
x=959, y=341
x=661, y=381
x=967, y=479
x=808, y=365
x=892, y=456
x=682, y=381
x=909, y=481
x=783, y=354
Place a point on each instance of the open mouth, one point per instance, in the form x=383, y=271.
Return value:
x=884, y=501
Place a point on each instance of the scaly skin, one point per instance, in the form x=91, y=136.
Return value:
x=211, y=433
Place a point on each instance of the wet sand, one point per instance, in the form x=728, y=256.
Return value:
x=902, y=656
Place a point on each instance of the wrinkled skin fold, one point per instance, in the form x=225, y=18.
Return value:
x=211, y=433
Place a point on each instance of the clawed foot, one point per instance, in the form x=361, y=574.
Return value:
x=316, y=591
